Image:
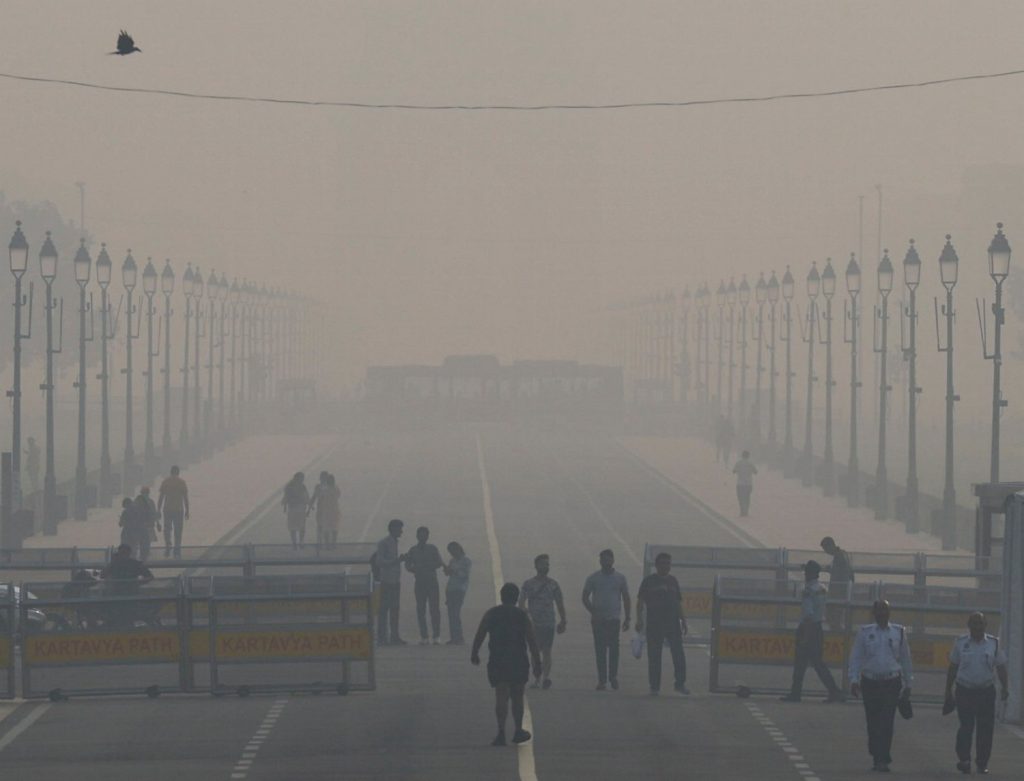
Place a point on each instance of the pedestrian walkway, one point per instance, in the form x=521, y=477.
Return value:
x=222, y=491
x=783, y=513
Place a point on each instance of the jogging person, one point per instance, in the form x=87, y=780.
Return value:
x=541, y=595
x=423, y=560
x=605, y=597
x=173, y=503
x=659, y=610
x=508, y=667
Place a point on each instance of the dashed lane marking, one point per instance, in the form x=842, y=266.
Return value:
x=527, y=765
x=244, y=763
x=800, y=765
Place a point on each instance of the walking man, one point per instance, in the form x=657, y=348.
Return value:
x=508, y=668
x=605, y=597
x=839, y=582
x=388, y=564
x=423, y=560
x=744, y=471
x=974, y=664
x=541, y=595
x=880, y=668
x=660, y=601
x=809, y=646
x=173, y=503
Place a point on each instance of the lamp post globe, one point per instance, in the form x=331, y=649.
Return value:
x=828, y=280
x=911, y=268
x=18, y=252
x=813, y=281
x=999, y=256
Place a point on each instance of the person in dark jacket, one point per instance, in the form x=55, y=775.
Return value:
x=148, y=520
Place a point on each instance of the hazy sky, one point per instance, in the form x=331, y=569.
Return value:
x=438, y=233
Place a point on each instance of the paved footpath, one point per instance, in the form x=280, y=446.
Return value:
x=783, y=513
x=223, y=490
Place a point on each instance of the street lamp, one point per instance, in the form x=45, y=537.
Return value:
x=730, y=297
x=705, y=306
x=744, y=297
x=149, y=284
x=788, y=466
x=828, y=472
x=999, y=270
x=234, y=293
x=167, y=288
x=773, y=300
x=213, y=290
x=813, y=289
x=911, y=278
x=684, y=359
x=197, y=424
x=83, y=270
x=129, y=277
x=948, y=270
x=225, y=290
x=885, y=274
x=48, y=271
x=760, y=297
x=720, y=299
x=107, y=329
x=18, y=254
x=853, y=281
x=187, y=286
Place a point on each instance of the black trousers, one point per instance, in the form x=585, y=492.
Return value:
x=657, y=633
x=606, y=648
x=975, y=708
x=174, y=523
x=427, y=593
x=743, y=494
x=387, y=612
x=880, y=700
x=810, y=646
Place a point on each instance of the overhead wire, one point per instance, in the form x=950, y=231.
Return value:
x=513, y=107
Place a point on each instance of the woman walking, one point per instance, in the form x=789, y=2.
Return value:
x=295, y=503
x=328, y=511
x=457, y=570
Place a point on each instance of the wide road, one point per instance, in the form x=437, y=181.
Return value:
x=506, y=495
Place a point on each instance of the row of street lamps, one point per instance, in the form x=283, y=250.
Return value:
x=272, y=338
x=769, y=294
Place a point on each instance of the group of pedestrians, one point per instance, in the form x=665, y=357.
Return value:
x=298, y=503
x=140, y=517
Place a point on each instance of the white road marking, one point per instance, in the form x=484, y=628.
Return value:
x=244, y=763
x=527, y=765
x=604, y=519
x=780, y=740
x=31, y=718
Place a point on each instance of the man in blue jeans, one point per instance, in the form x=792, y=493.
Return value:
x=605, y=597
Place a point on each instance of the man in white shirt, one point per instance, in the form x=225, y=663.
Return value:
x=974, y=663
x=744, y=471
x=880, y=668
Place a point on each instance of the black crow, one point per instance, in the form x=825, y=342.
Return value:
x=125, y=44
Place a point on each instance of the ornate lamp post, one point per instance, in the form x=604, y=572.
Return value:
x=705, y=305
x=18, y=253
x=999, y=270
x=187, y=284
x=730, y=297
x=828, y=469
x=949, y=265
x=720, y=299
x=788, y=468
x=760, y=296
x=911, y=278
x=234, y=293
x=48, y=271
x=813, y=288
x=129, y=276
x=225, y=290
x=197, y=424
x=773, y=300
x=885, y=273
x=684, y=358
x=853, y=280
x=83, y=270
x=213, y=292
x=167, y=288
x=107, y=330
x=149, y=281
x=744, y=296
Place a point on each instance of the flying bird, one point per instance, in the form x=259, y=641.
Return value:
x=125, y=44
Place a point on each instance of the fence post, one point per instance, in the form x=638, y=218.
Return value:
x=716, y=620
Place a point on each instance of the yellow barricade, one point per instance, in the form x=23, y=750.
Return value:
x=765, y=646
x=259, y=645
x=77, y=649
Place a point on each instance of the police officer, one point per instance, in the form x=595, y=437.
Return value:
x=974, y=663
x=880, y=668
x=810, y=637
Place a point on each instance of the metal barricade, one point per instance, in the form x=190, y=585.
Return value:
x=45, y=560
x=754, y=623
x=8, y=619
x=102, y=637
x=264, y=630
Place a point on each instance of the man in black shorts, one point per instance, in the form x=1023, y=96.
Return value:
x=508, y=668
x=540, y=596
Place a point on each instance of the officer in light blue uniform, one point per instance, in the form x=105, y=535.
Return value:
x=974, y=663
x=880, y=668
x=809, y=645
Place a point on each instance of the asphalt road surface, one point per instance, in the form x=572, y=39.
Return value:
x=506, y=495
